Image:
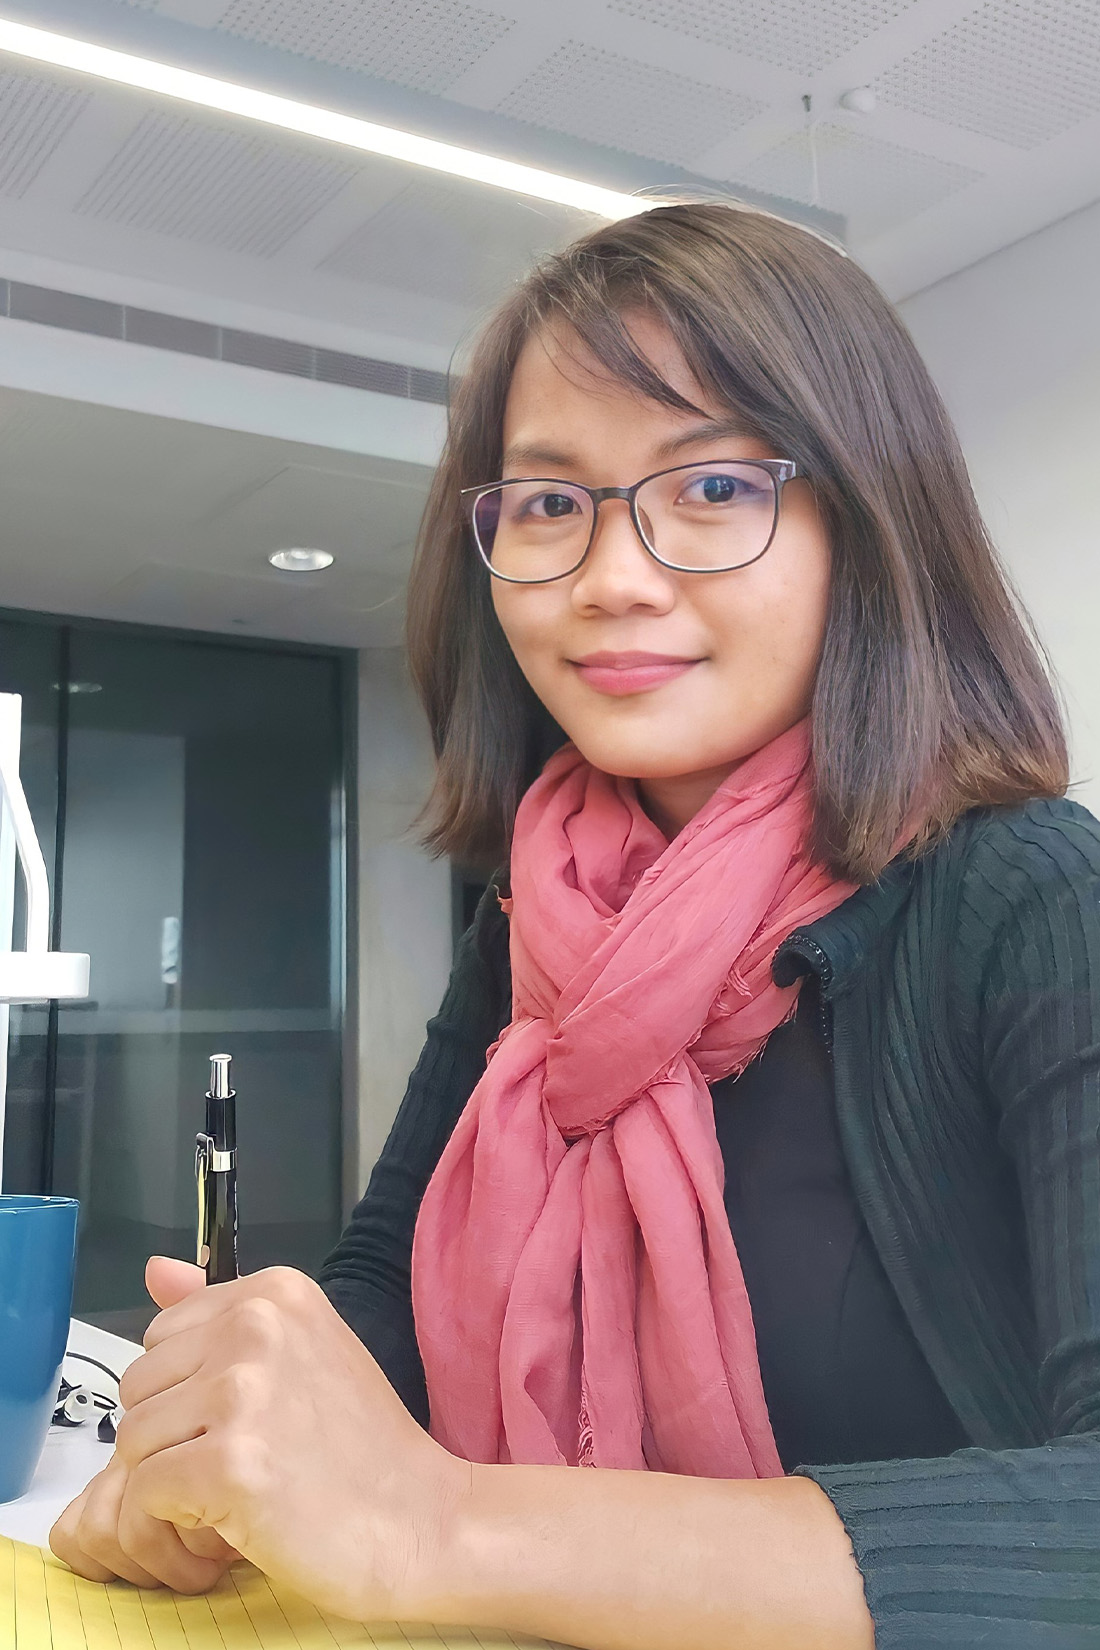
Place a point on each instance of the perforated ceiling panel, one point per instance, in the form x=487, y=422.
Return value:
x=1014, y=71
x=241, y=190
x=463, y=243
x=35, y=114
x=425, y=44
x=790, y=33
x=629, y=105
x=874, y=184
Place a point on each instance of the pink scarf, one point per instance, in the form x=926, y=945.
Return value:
x=577, y=1292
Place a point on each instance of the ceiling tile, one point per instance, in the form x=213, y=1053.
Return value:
x=427, y=44
x=200, y=181
x=36, y=111
x=464, y=245
x=1017, y=72
x=618, y=101
x=874, y=184
x=789, y=33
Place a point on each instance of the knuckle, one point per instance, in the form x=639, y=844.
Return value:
x=259, y=1319
x=244, y=1469
x=127, y=1437
x=236, y=1390
x=129, y=1387
x=98, y=1534
x=286, y=1285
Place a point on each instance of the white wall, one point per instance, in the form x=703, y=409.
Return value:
x=404, y=897
x=1014, y=344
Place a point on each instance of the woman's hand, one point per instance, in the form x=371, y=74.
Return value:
x=92, y=1538
x=257, y=1414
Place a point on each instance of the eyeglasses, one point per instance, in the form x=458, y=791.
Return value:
x=696, y=518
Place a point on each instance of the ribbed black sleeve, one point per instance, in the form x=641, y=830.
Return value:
x=1001, y=1548
x=367, y=1276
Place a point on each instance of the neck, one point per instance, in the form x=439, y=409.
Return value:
x=671, y=802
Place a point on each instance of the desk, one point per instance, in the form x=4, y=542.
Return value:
x=72, y=1455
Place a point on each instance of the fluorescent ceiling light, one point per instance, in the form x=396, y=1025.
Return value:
x=43, y=46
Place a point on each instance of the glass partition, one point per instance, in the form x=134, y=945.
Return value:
x=199, y=798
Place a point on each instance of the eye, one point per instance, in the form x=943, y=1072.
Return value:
x=715, y=488
x=553, y=505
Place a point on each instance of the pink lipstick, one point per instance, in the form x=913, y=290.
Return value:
x=623, y=673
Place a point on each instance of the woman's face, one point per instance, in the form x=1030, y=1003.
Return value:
x=752, y=637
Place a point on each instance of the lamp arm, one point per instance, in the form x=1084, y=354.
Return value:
x=26, y=842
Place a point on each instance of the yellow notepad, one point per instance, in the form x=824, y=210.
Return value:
x=43, y=1606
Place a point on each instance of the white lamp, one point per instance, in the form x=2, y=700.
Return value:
x=36, y=974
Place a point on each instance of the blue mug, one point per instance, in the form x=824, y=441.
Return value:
x=37, y=1262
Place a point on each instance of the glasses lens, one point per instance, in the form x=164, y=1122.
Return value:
x=709, y=516
x=533, y=530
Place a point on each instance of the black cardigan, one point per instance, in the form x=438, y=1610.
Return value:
x=964, y=994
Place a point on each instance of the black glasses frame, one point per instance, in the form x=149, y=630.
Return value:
x=781, y=471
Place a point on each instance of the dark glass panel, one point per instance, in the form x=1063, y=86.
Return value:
x=202, y=871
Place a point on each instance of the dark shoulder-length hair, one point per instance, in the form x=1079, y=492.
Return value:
x=930, y=698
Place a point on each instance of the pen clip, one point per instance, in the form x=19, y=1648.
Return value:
x=204, y=1152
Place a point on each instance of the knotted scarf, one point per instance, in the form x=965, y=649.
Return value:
x=577, y=1293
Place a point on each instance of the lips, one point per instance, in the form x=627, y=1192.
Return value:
x=622, y=673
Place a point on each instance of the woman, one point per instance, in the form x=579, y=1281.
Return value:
x=775, y=1204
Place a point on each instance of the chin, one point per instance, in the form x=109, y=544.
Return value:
x=646, y=759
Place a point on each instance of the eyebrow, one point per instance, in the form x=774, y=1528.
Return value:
x=532, y=454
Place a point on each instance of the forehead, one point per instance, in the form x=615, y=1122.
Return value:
x=566, y=410
x=557, y=374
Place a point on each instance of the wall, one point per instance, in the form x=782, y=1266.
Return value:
x=404, y=897
x=1014, y=344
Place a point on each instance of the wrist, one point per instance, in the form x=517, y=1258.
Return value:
x=466, y=1571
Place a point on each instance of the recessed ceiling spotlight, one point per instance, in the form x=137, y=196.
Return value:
x=861, y=100
x=301, y=561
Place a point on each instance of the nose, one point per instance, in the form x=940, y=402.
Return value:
x=619, y=573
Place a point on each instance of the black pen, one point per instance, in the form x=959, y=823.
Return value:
x=216, y=1176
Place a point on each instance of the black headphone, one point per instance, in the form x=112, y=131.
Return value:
x=76, y=1405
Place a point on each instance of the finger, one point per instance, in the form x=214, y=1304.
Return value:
x=199, y=1484
x=85, y=1537
x=206, y=1543
x=165, y=1366
x=169, y=1281
x=283, y=1286
x=166, y=1419
x=161, y=1551
x=200, y=1307
x=64, y=1544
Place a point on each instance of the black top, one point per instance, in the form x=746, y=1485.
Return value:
x=843, y=1375
x=964, y=1000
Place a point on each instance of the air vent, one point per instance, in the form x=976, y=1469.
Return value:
x=75, y=313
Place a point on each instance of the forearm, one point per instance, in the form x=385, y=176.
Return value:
x=612, y=1560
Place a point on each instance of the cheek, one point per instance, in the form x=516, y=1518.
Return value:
x=532, y=624
x=783, y=612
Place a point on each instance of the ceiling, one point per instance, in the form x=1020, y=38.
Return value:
x=117, y=515
x=986, y=127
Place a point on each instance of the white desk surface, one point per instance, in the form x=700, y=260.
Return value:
x=72, y=1455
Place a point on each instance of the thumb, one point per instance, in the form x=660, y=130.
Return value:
x=169, y=1281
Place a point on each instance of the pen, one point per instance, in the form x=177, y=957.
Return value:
x=216, y=1176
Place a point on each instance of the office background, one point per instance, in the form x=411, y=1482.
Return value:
x=218, y=340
